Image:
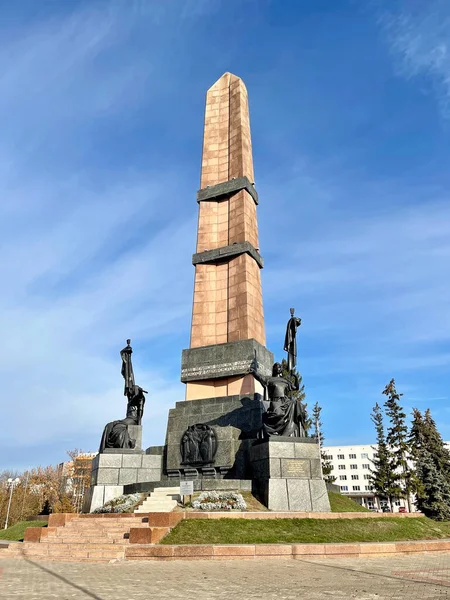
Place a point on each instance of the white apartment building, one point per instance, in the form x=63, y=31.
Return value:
x=352, y=468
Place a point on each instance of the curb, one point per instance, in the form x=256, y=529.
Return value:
x=295, y=551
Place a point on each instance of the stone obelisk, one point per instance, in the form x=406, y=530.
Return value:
x=227, y=333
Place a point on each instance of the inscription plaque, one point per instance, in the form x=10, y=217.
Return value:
x=186, y=488
x=295, y=468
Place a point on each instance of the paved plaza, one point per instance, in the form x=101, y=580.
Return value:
x=424, y=577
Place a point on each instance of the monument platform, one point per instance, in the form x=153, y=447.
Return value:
x=287, y=474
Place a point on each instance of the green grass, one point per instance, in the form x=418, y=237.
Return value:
x=290, y=531
x=340, y=503
x=17, y=531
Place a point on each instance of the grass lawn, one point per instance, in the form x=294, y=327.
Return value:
x=340, y=503
x=291, y=531
x=17, y=531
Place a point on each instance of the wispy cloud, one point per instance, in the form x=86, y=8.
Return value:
x=418, y=34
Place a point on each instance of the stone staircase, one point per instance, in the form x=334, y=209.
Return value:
x=162, y=499
x=93, y=538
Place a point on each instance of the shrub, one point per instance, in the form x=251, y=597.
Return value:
x=219, y=501
x=121, y=504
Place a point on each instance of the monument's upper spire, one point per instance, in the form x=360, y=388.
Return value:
x=227, y=146
x=227, y=304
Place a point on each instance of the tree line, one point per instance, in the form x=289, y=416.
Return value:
x=45, y=490
x=410, y=461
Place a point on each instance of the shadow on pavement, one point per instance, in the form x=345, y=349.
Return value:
x=64, y=579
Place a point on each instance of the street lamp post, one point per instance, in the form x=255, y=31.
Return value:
x=11, y=484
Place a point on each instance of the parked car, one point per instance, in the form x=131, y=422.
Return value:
x=402, y=509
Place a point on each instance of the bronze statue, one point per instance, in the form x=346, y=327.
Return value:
x=290, y=340
x=116, y=434
x=285, y=416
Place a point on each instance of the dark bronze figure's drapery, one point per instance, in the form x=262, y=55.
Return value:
x=127, y=369
x=116, y=435
x=290, y=340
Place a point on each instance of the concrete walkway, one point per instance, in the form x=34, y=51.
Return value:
x=425, y=577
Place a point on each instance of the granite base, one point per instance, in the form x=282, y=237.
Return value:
x=124, y=468
x=287, y=475
x=97, y=495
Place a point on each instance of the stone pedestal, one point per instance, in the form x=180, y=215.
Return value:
x=116, y=467
x=287, y=474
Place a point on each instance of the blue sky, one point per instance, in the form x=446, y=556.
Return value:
x=100, y=147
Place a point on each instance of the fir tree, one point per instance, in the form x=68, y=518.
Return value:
x=432, y=460
x=397, y=441
x=417, y=434
x=382, y=477
x=297, y=394
x=435, y=444
x=433, y=497
x=327, y=467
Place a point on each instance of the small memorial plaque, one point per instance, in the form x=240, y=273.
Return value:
x=186, y=488
x=295, y=468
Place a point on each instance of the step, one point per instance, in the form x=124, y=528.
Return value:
x=107, y=521
x=151, y=502
x=148, y=508
x=159, y=499
x=154, y=510
x=110, y=528
x=175, y=497
x=92, y=540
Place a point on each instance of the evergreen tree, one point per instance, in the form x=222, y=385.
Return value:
x=327, y=467
x=383, y=479
x=297, y=394
x=435, y=444
x=417, y=434
x=397, y=441
x=432, y=461
x=433, y=497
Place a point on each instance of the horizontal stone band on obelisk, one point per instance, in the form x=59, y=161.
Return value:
x=227, y=333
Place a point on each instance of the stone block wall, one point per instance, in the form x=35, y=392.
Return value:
x=287, y=474
x=123, y=469
x=236, y=421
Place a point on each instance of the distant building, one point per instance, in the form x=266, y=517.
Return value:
x=76, y=475
x=351, y=465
